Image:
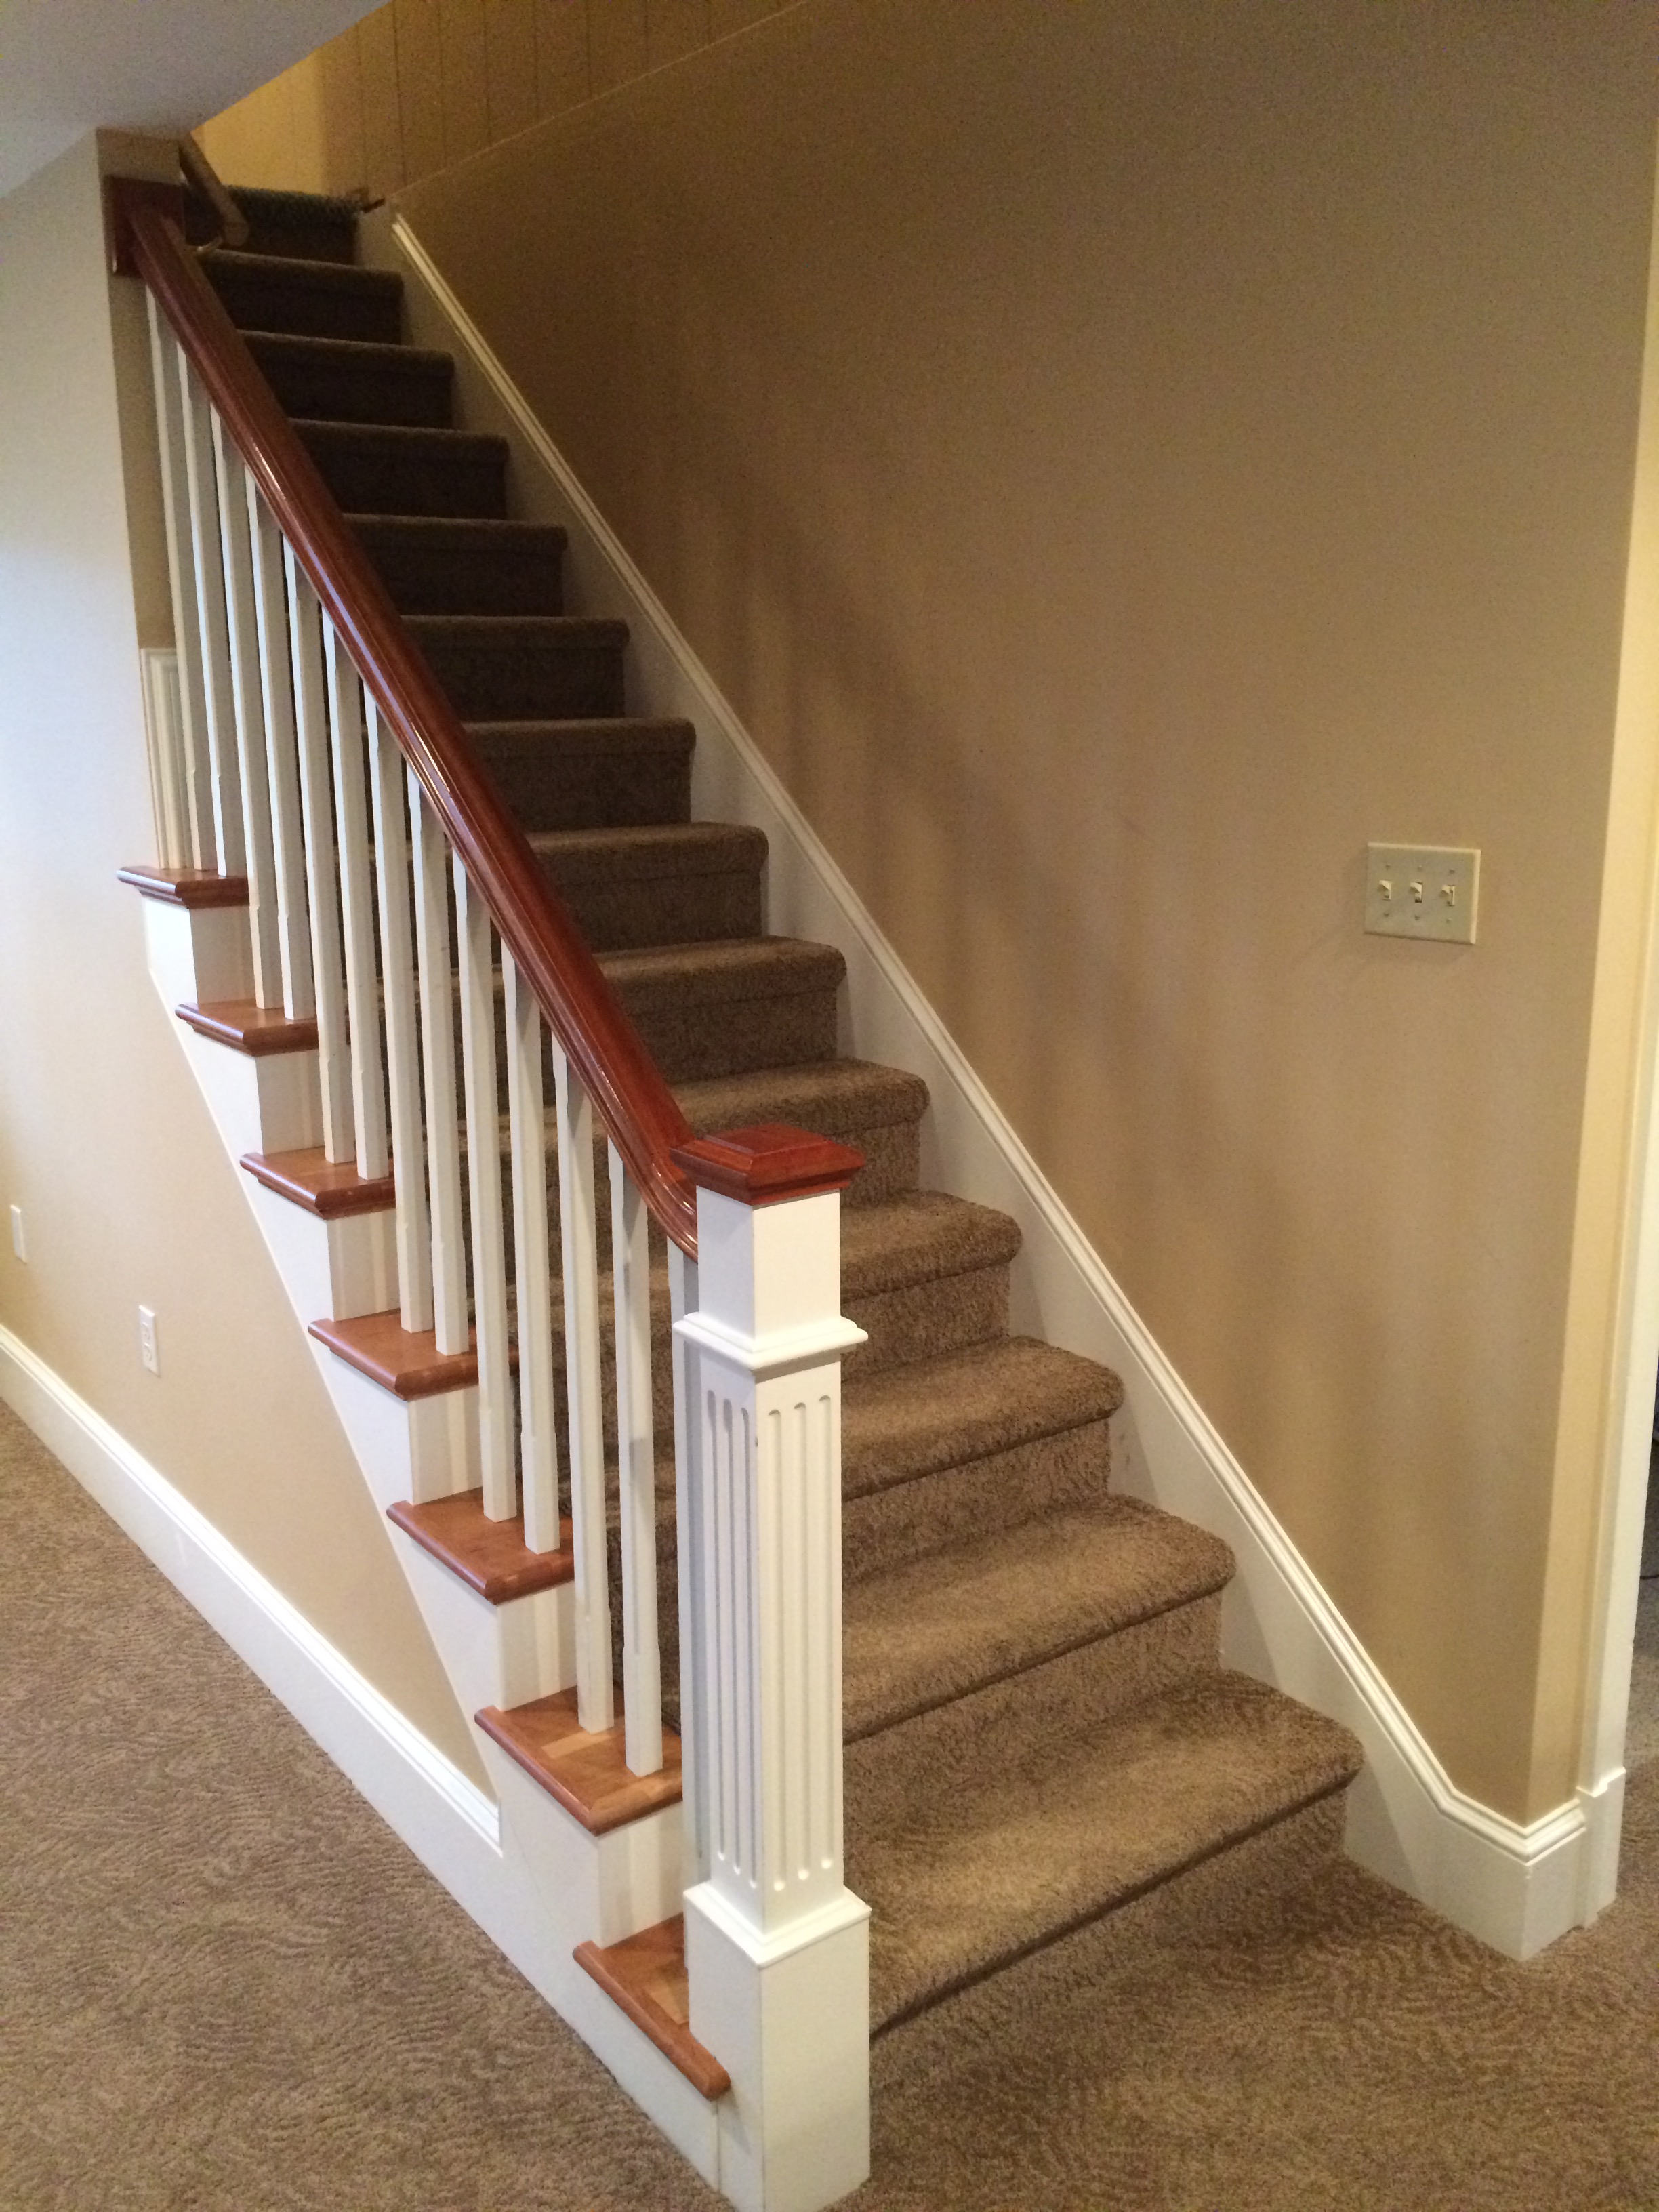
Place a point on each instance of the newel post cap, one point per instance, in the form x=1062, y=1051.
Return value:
x=767, y=1164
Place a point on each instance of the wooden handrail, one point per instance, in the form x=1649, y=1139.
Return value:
x=638, y=1111
x=233, y=224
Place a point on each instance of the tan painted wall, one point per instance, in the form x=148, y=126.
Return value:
x=419, y=84
x=1119, y=460
x=104, y=1141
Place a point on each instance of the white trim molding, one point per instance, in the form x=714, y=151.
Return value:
x=1517, y=1887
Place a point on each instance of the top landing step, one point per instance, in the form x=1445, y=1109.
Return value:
x=307, y=225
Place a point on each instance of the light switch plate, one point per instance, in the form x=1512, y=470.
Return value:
x=1423, y=890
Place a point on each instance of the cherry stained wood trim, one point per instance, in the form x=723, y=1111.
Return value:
x=406, y=1361
x=328, y=1189
x=588, y=1774
x=256, y=1031
x=187, y=887
x=489, y=1555
x=645, y=1975
x=771, y=1162
x=632, y=1101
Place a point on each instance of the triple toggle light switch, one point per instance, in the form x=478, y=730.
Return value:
x=1422, y=890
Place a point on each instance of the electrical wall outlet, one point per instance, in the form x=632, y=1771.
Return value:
x=147, y=1351
x=19, y=1242
x=1423, y=890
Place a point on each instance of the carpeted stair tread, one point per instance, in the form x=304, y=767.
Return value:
x=717, y=1008
x=467, y=564
x=831, y=1097
x=643, y=852
x=311, y=299
x=658, y=884
x=1016, y=1855
x=388, y=468
x=991, y=1606
x=508, y=667
x=348, y=380
x=590, y=772
x=308, y=225
x=922, y=1236
x=932, y=1414
x=745, y=967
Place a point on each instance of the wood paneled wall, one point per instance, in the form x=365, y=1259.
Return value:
x=419, y=84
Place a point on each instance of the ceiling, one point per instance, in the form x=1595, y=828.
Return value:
x=71, y=66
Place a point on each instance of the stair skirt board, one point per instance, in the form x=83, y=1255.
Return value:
x=464, y=1840
x=1515, y=1887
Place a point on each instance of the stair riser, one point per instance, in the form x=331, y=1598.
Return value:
x=927, y=1756
x=733, y=1036
x=884, y=1528
x=621, y=912
x=372, y=476
x=924, y=1320
x=414, y=390
x=1227, y=1895
x=548, y=790
x=519, y=577
x=278, y=299
x=525, y=682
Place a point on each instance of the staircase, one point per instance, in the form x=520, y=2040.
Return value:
x=1038, y=1731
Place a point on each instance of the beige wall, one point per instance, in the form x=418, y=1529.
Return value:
x=419, y=84
x=104, y=1141
x=1119, y=460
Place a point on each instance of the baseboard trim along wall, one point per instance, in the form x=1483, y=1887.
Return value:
x=450, y=1825
x=1515, y=1887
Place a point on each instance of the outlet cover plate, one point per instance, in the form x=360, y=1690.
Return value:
x=1423, y=890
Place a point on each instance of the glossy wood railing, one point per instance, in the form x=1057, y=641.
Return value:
x=633, y=1104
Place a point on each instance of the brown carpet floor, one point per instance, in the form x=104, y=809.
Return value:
x=224, y=1984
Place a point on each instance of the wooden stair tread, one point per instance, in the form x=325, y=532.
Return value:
x=256, y=1031
x=645, y=1975
x=195, y=888
x=328, y=1188
x=406, y=1361
x=489, y=1555
x=587, y=1772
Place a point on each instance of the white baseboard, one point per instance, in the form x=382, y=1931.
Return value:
x=1516, y=1887
x=450, y=1824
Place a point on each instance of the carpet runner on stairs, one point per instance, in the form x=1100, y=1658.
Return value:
x=1039, y=1731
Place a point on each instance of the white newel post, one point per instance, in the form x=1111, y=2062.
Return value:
x=776, y=1945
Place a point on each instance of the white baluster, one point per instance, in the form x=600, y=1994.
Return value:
x=334, y=1054
x=776, y=1946
x=403, y=1044
x=242, y=629
x=484, y=1163
x=694, y=1765
x=282, y=757
x=630, y=1263
x=596, y=1704
x=208, y=556
x=443, y=1135
x=165, y=736
x=345, y=717
x=164, y=357
x=538, y=1442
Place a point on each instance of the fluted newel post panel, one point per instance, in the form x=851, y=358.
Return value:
x=777, y=1947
